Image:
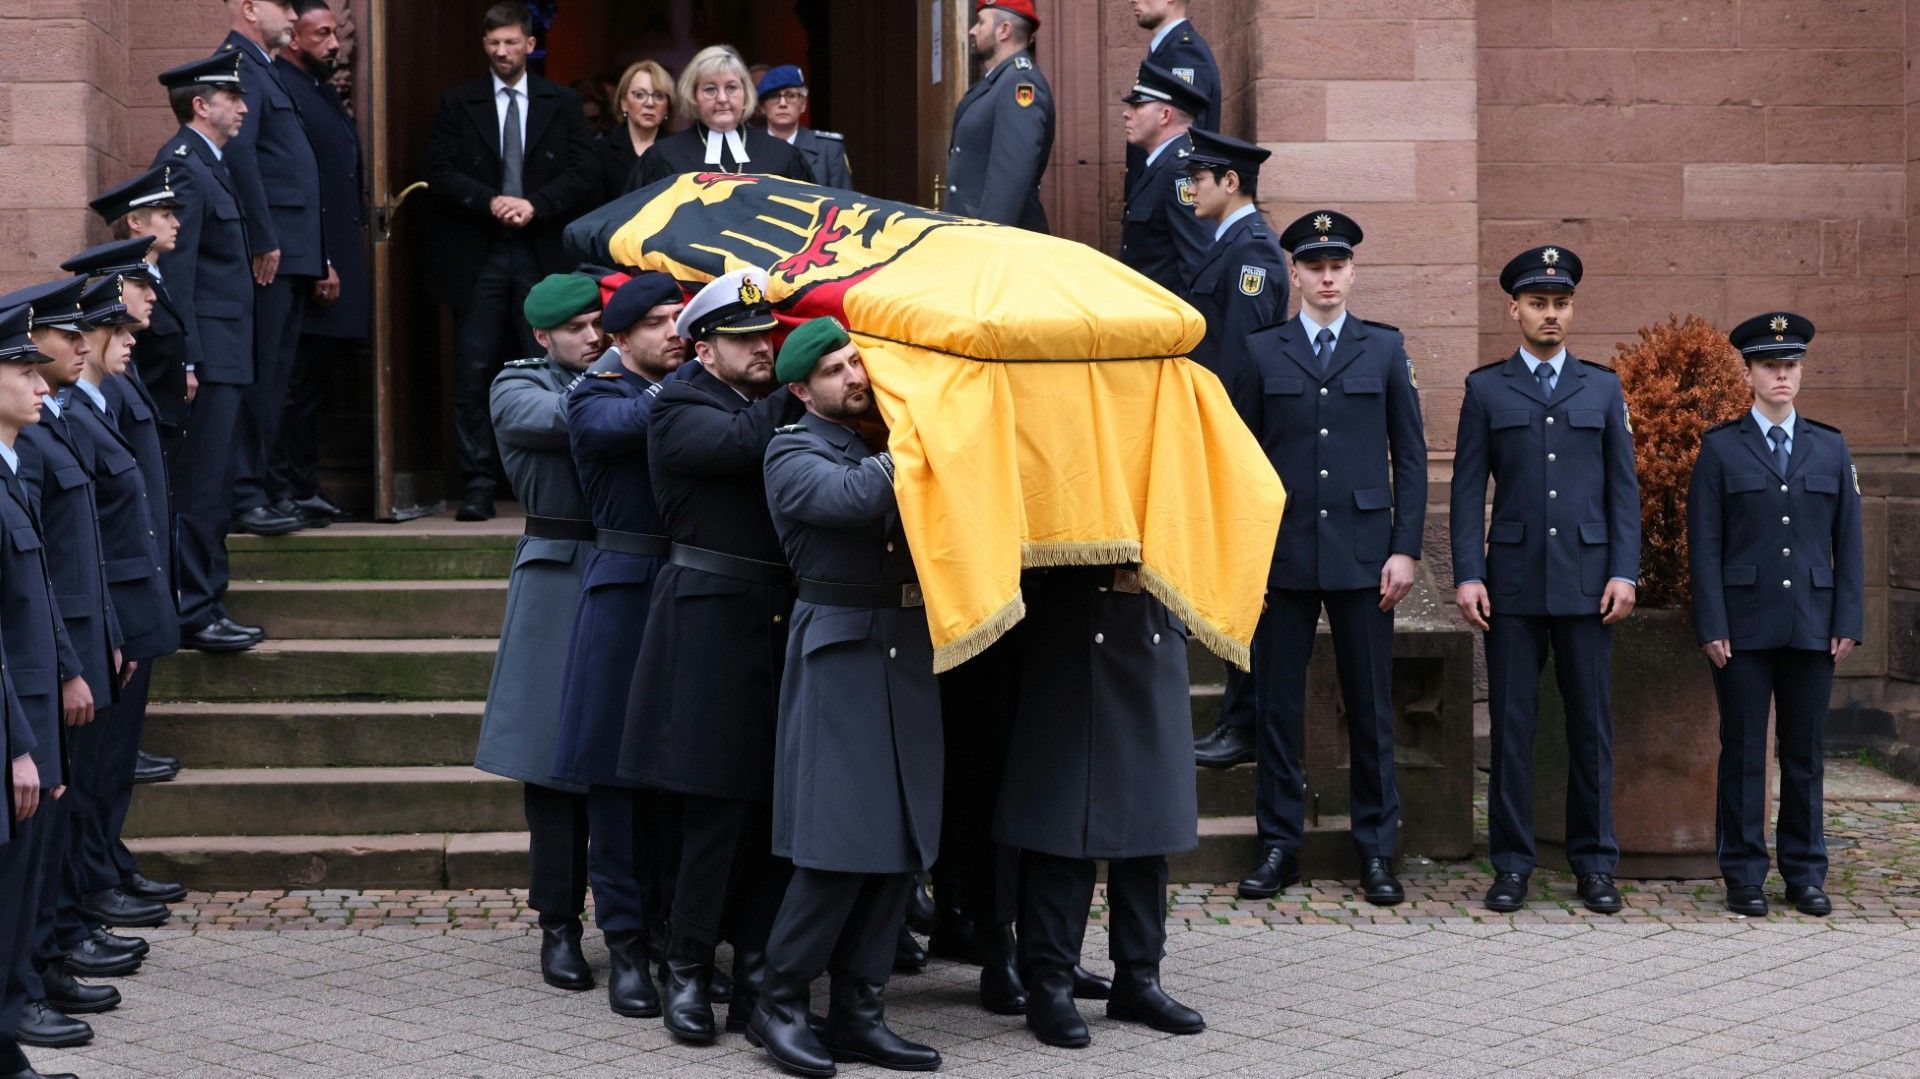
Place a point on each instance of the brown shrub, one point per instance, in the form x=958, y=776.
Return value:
x=1682, y=377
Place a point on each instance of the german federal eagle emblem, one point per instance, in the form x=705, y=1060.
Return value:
x=1253, y=280
x=750, y=293
x=1183, y=190
x=1023, y=94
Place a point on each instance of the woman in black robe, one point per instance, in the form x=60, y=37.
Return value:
x=716, y=91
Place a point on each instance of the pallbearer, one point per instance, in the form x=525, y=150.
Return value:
x=1773, y=545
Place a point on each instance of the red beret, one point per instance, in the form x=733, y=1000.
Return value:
x=1022, y=8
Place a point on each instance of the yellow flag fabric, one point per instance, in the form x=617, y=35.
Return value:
x=1041, y=409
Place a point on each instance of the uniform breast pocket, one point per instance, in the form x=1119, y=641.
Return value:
x=24, y=538
x=1827, y=487
x=1360, y=385
x=116, y=463
x=1284, y=387
x=1746, y=483
x=70, y=477
x=1586, y=421
x=1510, y=419
x=226, y=209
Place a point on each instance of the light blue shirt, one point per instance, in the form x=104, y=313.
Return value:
x=53, y=406
x=1161, y=34
x=217, y=155
x=1768, y=425
x=1313, y=328
x=1556, y=361
x=1154, y=154
x=11, y=458
x=93, y=394
x=1231, y=218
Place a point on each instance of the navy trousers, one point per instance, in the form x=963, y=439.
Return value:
x=1363, y=655
x=629, y=859
x=203, y=475
x=277, y=313
x=22, y=874
x=1796, y=682
x=1582, y=648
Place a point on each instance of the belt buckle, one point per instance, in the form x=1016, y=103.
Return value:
x=1126, y=580
x=910, y=595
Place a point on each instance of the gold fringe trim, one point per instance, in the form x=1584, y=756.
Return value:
x=1217, y=642
x=952, y=654
x=1094, y=553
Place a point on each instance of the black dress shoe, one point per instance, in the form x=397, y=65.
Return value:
x=684, y=1005
x=1809, y=899
x=320, y=506
x=1378, y=883
x=1050, y=1011
x=256, y=632
x=630, y=991
x=75, y=997
x=1138, y=998
x=89, y=960
x=1278, y=870
x=478, y=506
x=215, y=637
x=561, y=963
x=1508, y=893
x=263, y=521
x=1747, y=899
x=856, y=1031
x=156, y=890
x=286, y=508
x=160, y=759
x=1223, y=747
x=1002, y=990
x=908, y=956
x=42, y=1026
x=1598, y=893
x=145, y=771
x=1090, y=986
x=119, y=945
x=920, y=909
x=26, y=1070
x=116, y=908
x=779, y=1025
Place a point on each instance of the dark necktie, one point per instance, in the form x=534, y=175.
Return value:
x=1323, y=347
x=1778, y=436
x=511, y=152
x=1544, y=373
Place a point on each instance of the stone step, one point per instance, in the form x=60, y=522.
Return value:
x=1228, y=847
x=314, y=734
x=431, y=548
x=326, y=801
x=364, y=609
x=294, y=669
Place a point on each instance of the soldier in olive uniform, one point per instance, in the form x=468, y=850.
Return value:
x=1558, y=566
x=856, y=786
x=518, y=731
x=1774, y=548
x=1160, y=234
x=1003, y=127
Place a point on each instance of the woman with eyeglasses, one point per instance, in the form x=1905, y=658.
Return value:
x=644, y=105
x=716, y=92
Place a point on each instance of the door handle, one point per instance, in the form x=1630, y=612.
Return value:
x=383, y=215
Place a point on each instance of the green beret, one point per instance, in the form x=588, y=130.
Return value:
x=805, y=345
x=558, y=297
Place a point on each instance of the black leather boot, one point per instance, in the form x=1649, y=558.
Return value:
x=951, y=936
x=920, y=908
x=749, y=971
x=1050, y=1011
x=630, y=991
x=561, y=962
x=908, y=956
x=1138, y=998
x=856, y=1031
x=1090, y=986
x=779, y=1025
x=1001, y=990
x=684, y=1004
x=720, y=987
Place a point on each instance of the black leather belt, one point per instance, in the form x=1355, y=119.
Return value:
x=560, y=528
x=834, y=594
x=612, y=539
x=727, y=565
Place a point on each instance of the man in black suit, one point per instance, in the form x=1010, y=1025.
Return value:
x=507, y=190
x=336, y=307
x=273, y=168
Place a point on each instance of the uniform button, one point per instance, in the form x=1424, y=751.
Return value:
x=1323, y=391
x=1550, y=457
x=1323, y=513
x=1553, y=531
x=1553, y=494
x=1323, y=473
x=777, y=619
x=1783, y=488
x=1323, y=432
x=950, y=187
x=892, y=652
x=1156, y=638
x=1785, y=551
x=1099, y=638
x=1786, y=520
x=1549, y=421
x=889, y=546
x=1786, y=584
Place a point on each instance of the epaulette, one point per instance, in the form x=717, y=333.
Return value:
x=1022, y=63
x=1822, y=426
x=606, y=374
x=531, y=361
x=834, y=135
x=226, y=46
x=1381, y=325
x=1723, y=423
x=1495, y=363
x=790, y=429
x=181, y=150
x=1601, y=366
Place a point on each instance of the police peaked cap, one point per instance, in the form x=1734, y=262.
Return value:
x=1776, y=335
x=1541, y=269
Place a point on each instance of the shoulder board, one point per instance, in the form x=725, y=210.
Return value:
x=834, y=135
x=531, y=361
x=227, y=47
x=1186, y=36
x=606, y=374
x=1822, y=426
x=1485, y=366
x=1022, y=63
x=1601, y=366
x=1381, y=325
x=790, y=429
x=1735, y=422
x=182, y=150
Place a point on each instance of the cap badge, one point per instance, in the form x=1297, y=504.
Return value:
x=1551, y=256
x=1322, y=224
x=1779, y=324
x=750, y=293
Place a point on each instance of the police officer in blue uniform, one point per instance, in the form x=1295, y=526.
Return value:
x=278, y=178
x=1160, y=234
x=632, y=826
x=31, y=638
x=1774, y=550
x=1177, y=47
x=144, y=206
x=783, y=98
x=1240, y=286
x=209, y=277
x=1003, y=126
x=1326, y=393
x=706, y=684
x=857, y=773
x=1555, y=570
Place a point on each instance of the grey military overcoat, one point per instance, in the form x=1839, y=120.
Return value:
x=858, y=755
x=521, y=724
